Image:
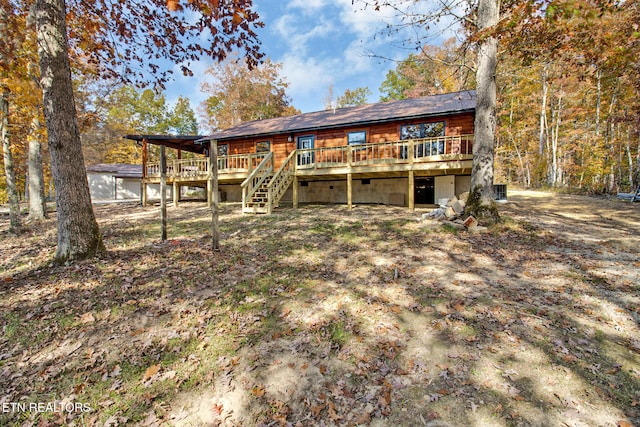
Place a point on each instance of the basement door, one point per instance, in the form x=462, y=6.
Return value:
x=424, y=191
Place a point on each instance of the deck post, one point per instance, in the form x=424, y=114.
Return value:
x=349, y=190
x=143, y=193
x=411, y=189
x=295, y=192
x=213, y=178
x=163, y=193
x=176, y=192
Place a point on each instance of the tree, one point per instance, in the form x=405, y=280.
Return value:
x=182, y=119
x=144, y=33
x=239, y=95
x=6, y=49
x=351, y=98
x=434, y=70
x=480, y=20
x=481, y=203
x=78, y=232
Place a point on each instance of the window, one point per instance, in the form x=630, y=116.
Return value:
x=263, y=147
x=427, y=130
x=432, y=130
x=223, y=150
x=410, y=132
x=359, y=137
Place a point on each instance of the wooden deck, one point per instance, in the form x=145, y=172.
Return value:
x=393, y=158
x=264, y=181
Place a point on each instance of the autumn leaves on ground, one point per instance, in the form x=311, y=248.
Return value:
x=325, y=316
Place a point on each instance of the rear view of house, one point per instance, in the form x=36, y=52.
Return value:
x=407, y=152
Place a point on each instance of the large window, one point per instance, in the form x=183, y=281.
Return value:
x=427, y=130
x=223, y=150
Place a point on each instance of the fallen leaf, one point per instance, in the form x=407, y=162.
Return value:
x=87, y=318
x=258, y=391
x=151, y=371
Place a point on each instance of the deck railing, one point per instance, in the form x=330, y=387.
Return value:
x=199, y=167
x=391, y=152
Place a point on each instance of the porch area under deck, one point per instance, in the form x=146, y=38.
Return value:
x=263, y=186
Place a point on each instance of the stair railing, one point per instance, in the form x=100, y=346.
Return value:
x=253, y=182
x=280, y=181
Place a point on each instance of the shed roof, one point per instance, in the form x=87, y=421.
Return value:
x=435, y=105
x=119, y=170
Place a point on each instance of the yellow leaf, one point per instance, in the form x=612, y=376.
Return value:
x=151, y=371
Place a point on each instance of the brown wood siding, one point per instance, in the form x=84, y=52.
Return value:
x=459, y=124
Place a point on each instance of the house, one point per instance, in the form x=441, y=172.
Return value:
x=407, y=152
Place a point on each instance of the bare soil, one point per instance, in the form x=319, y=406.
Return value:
x=325, y=316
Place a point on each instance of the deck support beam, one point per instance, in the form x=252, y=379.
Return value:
x=163, y=193
x=176, y=193
x=214, y=196
x=411, y=191
x=350, y=190
x=145, y=159
x=295, y=192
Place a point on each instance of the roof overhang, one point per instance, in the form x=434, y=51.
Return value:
x=179, y=142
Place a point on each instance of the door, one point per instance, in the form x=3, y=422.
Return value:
x=303, y=143
x=424, y=191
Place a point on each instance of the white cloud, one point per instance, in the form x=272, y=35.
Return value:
x=307, y=6
x=299, y=34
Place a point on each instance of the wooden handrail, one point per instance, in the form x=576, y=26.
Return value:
x=256, y=178
x=281, y=180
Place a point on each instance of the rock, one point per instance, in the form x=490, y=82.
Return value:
x=449, y=213
x=458, y=206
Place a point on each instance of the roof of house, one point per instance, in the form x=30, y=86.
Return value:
x=119, y=170
x=435, y=105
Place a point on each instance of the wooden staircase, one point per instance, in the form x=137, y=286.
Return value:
x=259, y=200
x=262, y=190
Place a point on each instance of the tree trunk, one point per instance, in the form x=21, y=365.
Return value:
x=483, y=205
x=12, y=190
x=543, y=111
x=78, y=232
x=37, y=206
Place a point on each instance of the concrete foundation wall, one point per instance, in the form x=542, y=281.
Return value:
x=463, y=184
x=233, y=193
x=388, y=191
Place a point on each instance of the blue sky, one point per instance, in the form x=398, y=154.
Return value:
x=319, y=43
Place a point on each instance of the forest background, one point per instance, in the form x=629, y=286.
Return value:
x=568, y=92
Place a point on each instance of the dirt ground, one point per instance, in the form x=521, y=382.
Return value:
x=325, y=316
